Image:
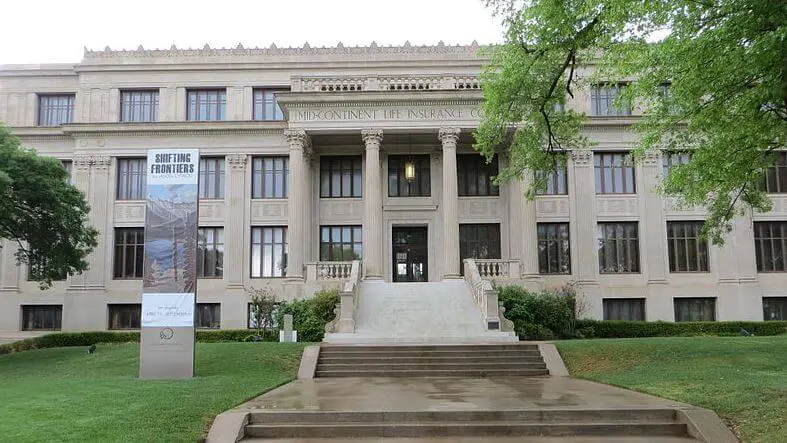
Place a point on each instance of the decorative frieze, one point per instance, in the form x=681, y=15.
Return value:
x=237, y=161
x=97, y=161
x=582, y=157
x=623, y=205
x=652, y=158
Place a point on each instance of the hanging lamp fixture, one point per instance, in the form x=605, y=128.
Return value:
x=409, y=165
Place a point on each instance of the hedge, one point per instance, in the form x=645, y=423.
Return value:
x=634, y=329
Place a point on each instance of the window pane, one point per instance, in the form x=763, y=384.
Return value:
x=269, y=246
x=618, y=248
x=475, y=175
x=478, y=241
x=269, y=177
x=419, y=187
x=769, y=246
x=139, y=106
x=340, y=176
x=55, y=110
x=554, y=256
x=129, y=252
x=624, y=309
x=207, y=105
x=695, y=309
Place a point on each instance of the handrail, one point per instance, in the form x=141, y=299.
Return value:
x=348, y=300
x=484, y=295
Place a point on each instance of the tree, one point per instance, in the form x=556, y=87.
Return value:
x=42, y=213
x=710, y=74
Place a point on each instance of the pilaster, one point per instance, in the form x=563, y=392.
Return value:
x=651, y=220
x=235, y=225
x=523, y=234
x=585, y=257
x=297, y=200
x=449, y=137
x=373, y=206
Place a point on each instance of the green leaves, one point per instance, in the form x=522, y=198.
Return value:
x=42, y=213
x=710, y=76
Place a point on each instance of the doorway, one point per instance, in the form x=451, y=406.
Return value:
x=410, y=254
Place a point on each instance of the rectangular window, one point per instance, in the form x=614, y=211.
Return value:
x=770, y=245
x=132, y=179
x=125, y=316
x=557, y=182
x=603, y=100
x=35, y=268
x=618, y=248
x=687, y=251
x=399, y=186
x=626, y=309
x=776, y=176
x=208, y=315
x=474, y=175
x=265, y=106
x=269, y=177
x=129, y=252
x=211, y=177
x=207, y=105
x=139, y=106
x=614, y=173
x=341, y=243
x=774, y=308
x=554, y=254
x=55, y=110
x=269, y=251
x=695, y=309
x=210, y=253
x=478, y=241
x=42, y=317
x=670, y=160
x=341, y=176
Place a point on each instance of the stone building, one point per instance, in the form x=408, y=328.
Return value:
x=314, y=157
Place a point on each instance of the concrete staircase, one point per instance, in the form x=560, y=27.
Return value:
x=486, y=360
x=650, y=423
x=436, y=312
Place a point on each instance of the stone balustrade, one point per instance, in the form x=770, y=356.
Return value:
x=498, y=268
x=484, y=295
x=329, y=270
x=350, y=83
x=344, y=322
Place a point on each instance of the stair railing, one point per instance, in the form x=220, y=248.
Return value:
x=348, y=300
x=484, y=295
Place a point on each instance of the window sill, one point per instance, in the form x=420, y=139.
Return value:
x=218, y=277
x=262, y=199
x=126, y=278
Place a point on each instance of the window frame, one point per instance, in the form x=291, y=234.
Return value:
x=618, y=173
x=131, y=183
x=217, y=246
x=781, y=308
x=608, y=304
x=556, y=181
x=673, y=159
x=775, y=177
x=214, y=107
x=198, y=315
x=700, y=247
x=147, y=101
x=472, y=169
x=420, y=187
x=215, y=177
x=51, y=114
x=630, y=247
x=327, y=248
x=264, y=101
x=344, y=171
x=260, y=177
x=494, y=250
x=284, y=244
x=549, y=237
x=130, y=306
x=760, y=241
x=56, y=319
x=138, y=248
x=698, y=300
x=603, y=93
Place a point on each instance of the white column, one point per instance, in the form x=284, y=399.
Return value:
x=296, y=226
x=585, y=256
x=372, y=206
x=653, y=236
x=450, y=203
x=94, y=178
x=235, y=228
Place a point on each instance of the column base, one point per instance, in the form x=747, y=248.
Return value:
x=452, y=277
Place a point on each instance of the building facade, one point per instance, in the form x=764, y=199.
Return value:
x=313, y=157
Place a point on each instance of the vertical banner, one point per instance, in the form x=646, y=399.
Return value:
x=170, y=269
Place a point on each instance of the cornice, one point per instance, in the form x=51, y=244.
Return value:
x=175, y=128
x=380, y=98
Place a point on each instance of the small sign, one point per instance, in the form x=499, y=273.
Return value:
x=401, y=256
x=167, y=310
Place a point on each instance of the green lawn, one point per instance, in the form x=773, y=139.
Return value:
x=64, y=394
x=743, y=379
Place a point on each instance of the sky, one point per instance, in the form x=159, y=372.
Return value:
x=56, y=31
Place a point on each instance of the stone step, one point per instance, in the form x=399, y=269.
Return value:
x=429, y=360
x=387, y=366
x=447, y=429
x=388, y=372
x=446, y=353
x=643, y=415
x=447, y=347
x=472, y=439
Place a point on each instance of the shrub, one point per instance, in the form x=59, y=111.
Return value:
x=540, y=315
x=633, y=329
x=63, y=339
x=310, y=315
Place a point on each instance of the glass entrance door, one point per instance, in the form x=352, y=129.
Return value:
x=410, y=254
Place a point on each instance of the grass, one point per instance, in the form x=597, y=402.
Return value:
x=64, y=394
x=743, y=379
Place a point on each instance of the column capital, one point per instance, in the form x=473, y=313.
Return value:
x=582, y=157
x=82, y=161
x=652, y=158
x=96, y=161
x=237, y=161
x=297, y=138
x=449, y=136
x=372, y=137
